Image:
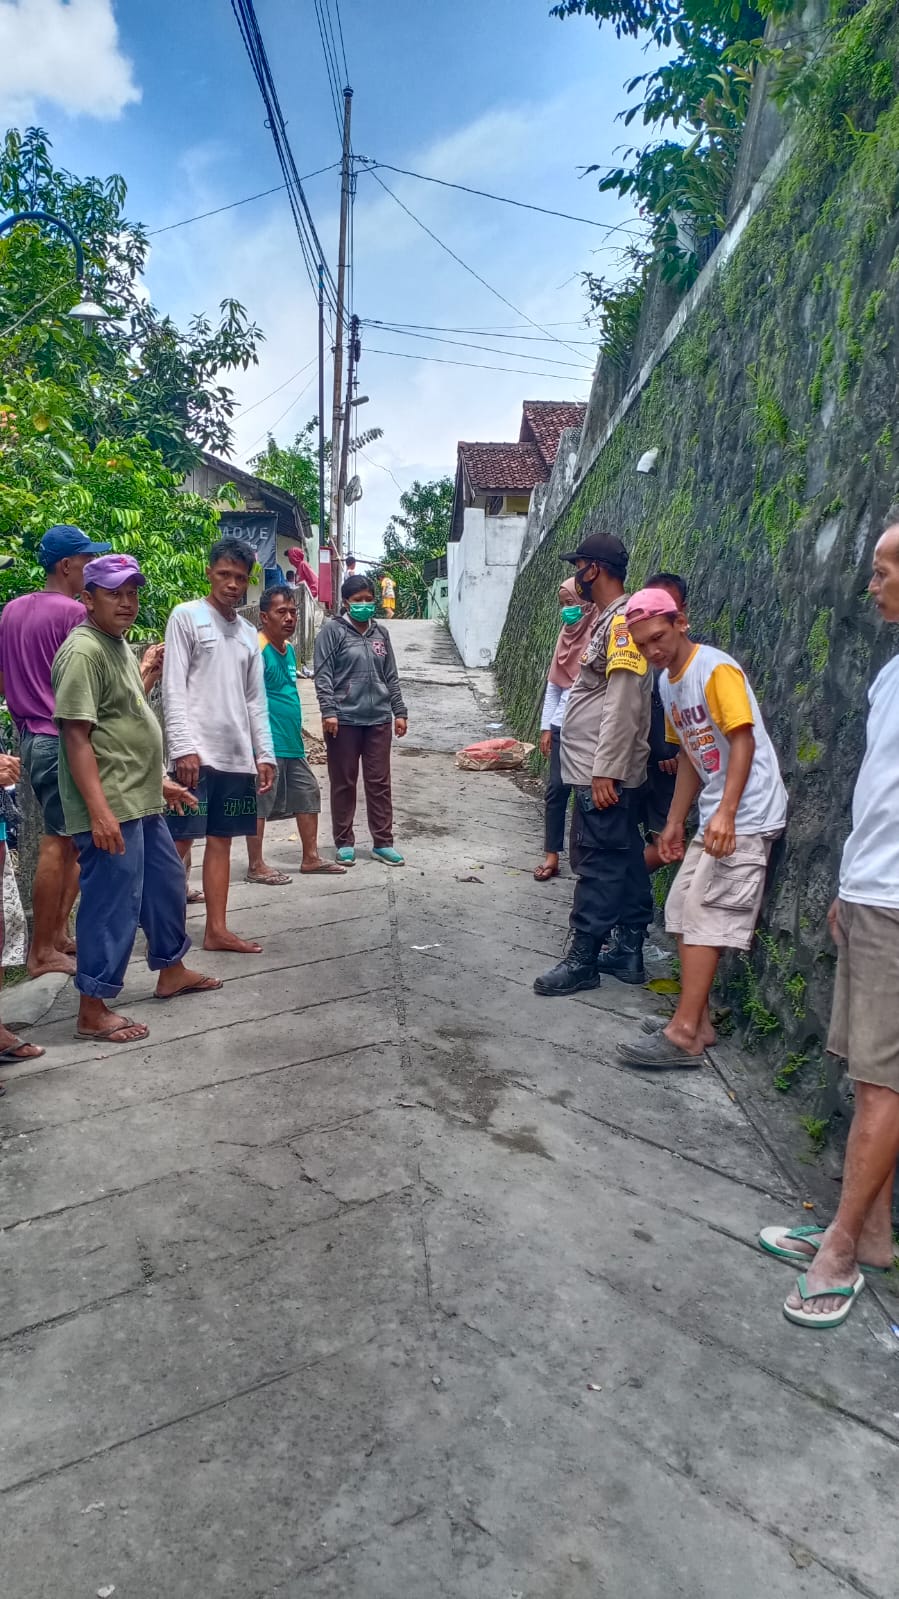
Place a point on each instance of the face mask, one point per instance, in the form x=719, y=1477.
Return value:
x=583, y=584
x=572, y=614
x=363, y=611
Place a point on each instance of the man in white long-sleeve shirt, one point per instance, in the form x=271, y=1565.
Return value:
x=217, y=728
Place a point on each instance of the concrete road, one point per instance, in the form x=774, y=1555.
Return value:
x=374, y=1277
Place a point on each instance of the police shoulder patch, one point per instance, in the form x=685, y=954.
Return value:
x=622, y=654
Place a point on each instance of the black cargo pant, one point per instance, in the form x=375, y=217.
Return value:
x=613, y=888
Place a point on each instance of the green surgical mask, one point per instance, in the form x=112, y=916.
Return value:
x=572, y=614
x=363, y=611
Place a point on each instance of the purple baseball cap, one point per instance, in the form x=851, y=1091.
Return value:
x=113, y=571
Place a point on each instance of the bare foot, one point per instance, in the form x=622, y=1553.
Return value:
x=548, y=868
x=12, y=1047
x=97, y=1021
x=314, y=863
x=174, y=980
x=52, y=960
x=65, y=944
x=691, y=1043
x=834, y=1266
x=231, y=944
x=875, y=1246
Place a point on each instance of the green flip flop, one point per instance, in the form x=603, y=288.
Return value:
x=834, y=1318
x=797, y=1257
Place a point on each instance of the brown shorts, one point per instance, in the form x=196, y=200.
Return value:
x=863, y=1026
x=716, y=902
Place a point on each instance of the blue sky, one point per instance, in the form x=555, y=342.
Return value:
x=495, y=94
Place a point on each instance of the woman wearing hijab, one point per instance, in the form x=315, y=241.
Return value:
x=577, y=621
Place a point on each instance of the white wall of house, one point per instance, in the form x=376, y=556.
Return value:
x=481, y=568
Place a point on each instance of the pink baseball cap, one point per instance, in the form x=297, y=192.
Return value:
x=640, y=606
x=113, y=572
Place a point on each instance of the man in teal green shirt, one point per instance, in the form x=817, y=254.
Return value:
x=295, y=792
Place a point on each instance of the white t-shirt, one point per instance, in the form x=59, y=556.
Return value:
x=709, y=699
x=213, y=690
x=869, y=874
x=555, y=704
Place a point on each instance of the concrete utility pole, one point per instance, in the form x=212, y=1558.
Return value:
x=351, y=364
x=322, y=541
x=345, y=182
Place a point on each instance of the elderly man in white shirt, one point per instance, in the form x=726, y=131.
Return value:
x=864, y=922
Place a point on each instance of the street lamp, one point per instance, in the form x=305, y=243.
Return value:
x=87, y=311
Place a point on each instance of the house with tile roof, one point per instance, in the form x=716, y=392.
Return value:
x=495, y=485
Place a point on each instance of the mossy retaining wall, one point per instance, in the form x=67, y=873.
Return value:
x=776, y=411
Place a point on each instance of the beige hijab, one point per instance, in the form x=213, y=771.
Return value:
x=572, y=640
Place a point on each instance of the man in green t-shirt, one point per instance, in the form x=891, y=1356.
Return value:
x=295, y=792
x=113, y=789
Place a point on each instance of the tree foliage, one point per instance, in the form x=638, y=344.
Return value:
x=294, y=467
x=98, y=425
x=417, y=533
x=681, y=184
x=139, y=375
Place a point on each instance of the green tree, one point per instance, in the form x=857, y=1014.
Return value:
x=681, y=184
x=417, y=533
x=138, y=376
x=294, y=467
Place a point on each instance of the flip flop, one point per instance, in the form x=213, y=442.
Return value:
x=658, y=1053
x=108, y=1036
x=768, y=1240
x=195, y=896
x=206, y=985
x=543, y=874
x=327, y=869
x=834, y=1318
x=14, y=1051
x=269, y=880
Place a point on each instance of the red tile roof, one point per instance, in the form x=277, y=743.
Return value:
x=543, y=421
x=503, y=468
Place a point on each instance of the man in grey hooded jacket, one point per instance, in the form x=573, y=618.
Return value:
x=361, y=705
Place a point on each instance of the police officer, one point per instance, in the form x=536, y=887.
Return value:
x=604, y=747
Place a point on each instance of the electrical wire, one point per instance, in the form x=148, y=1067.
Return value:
x=480, y=366
x=310, y=244
x=346, y=71
x=330, y=63
x=202, y=215
x=470, y=270
x=489, y=349
x=246, y=409
x=27, y=315
x=272, y=425
x=368, y=164
x=411, y=328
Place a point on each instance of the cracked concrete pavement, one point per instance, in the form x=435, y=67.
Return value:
x=374, y=1275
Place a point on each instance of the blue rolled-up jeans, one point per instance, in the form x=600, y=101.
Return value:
x=144, y=888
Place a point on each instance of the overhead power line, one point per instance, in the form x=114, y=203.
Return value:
x=493, y=333
x=233, y=204
x=470, y=270
x=489, y=349
x=368, y=164
x=480, y=366
x=272, y=425
x=246, y=409
x=310, y=244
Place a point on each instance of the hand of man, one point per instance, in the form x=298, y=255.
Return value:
x=107, y=834
x=720, y=837
x=178, y=798
x=10, y=769
x=546, y=743
x=399, y=727
x=670, y=842
x=187, y=770
x=669, y=767
x=605, y=793
x=266, y=775
x=151, y=666
x=833, y=923
x=329, y=726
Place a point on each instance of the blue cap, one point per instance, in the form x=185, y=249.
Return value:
x=63, y=539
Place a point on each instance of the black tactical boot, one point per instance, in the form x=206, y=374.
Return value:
x=576, y=969
x=624, y=957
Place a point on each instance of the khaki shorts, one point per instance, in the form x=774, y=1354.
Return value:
x=295, y=792
x=716, y=902
x=863, y=1019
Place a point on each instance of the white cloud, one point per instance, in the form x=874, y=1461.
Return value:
x=62, y=52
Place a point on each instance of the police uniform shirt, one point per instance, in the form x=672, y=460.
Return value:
x=606, y=728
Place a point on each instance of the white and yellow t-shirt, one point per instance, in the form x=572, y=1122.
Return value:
x=711, y=697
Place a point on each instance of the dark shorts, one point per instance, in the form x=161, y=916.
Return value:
x=40, y=762
x=227, y=807
x=295, y=791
